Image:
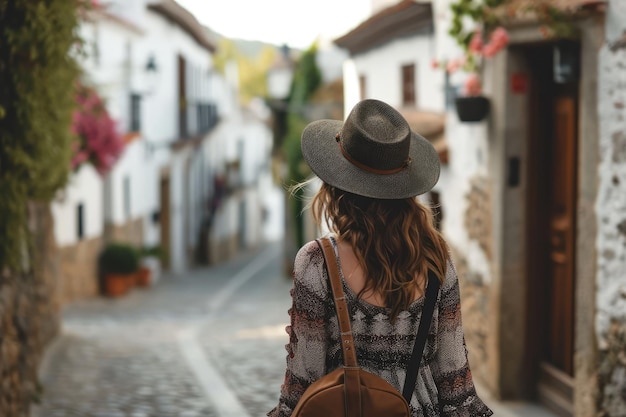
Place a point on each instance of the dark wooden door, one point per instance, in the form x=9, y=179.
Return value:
x=563, y=236
x=164, y=219
x=551, y=235
x=556, y=373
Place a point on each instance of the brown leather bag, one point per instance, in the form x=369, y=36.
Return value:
x=351, y=391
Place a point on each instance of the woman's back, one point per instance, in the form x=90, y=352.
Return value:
x=383, y=345
x=372, y=166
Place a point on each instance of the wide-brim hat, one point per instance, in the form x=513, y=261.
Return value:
x=373, y=153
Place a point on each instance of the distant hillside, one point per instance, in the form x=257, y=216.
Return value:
x=248, y=48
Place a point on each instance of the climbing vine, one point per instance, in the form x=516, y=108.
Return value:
x=37, y=74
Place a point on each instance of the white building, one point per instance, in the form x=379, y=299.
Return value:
x=390, y=59
x=152, y=62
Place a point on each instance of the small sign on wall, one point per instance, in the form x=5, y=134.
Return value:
x=519, y=83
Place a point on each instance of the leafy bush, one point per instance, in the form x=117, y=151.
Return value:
x=37, y=75
x=156, y=251
x=118, y=258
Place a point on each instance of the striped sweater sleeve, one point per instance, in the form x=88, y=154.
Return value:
x=450, y=367
x=308, y=338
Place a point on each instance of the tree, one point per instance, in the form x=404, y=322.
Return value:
x=306, y=80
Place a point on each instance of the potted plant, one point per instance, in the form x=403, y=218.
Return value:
x=118, y=264
x=476, y=27
x=149, y=265
x=472, y=105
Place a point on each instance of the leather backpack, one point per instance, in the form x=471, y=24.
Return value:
x=351, y=391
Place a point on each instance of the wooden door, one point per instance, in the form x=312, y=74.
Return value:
x=551, y=202
x=557, y=365
x=562, y=236
x=164, y=219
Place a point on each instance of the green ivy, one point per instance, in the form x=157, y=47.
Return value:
x=306, y=80
x=37, y=75
x=479, y=11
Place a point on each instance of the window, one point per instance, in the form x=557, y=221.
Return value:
x=80, y=221
x=135, y=113
x=408, y=85
x=362, y=86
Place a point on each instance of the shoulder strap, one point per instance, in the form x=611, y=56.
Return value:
x=352, y=380
x=432, y=289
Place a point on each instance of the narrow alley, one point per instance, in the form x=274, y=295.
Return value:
x=210, y=343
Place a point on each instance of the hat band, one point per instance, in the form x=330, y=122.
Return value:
x=369, y=168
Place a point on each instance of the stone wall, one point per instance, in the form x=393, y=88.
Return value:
x=79, y=262
x=223, y=249
x=79, y=274
x=611, y=220
x=29, y=317
x=475, y=290
x=130, y=232
x=474, y=309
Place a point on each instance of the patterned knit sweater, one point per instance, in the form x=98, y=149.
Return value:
x=444, y=385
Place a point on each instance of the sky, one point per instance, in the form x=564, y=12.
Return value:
x=298, y=23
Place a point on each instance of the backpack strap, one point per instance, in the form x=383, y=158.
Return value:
x=352, y=380
x=432, y=289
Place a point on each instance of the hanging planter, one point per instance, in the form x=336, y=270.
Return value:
x=472, y=108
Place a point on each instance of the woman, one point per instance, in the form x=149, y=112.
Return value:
x=372, y=167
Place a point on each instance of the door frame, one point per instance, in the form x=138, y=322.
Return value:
x=508, y=132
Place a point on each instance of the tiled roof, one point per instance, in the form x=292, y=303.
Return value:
x=183, y=18
x=404, y=18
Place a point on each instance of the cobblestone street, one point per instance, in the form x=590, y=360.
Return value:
x=207, y=344
x=210, y=343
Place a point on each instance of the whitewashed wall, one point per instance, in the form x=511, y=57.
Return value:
x=611, y=214
x=106, y=66
x=84, y=187
x=382, y=68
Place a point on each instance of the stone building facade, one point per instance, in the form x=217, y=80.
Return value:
x=542, y=279
x=610, y=209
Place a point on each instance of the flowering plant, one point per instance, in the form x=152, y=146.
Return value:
x=98, y=141
x=478, y=48
x=486, y=36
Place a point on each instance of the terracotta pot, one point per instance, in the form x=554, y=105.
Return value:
x=116, y=285
x=143, y=277
x=472, y=108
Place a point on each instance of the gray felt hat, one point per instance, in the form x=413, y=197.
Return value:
x=373, y=153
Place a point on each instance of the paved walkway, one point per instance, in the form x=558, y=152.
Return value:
x=209, y=344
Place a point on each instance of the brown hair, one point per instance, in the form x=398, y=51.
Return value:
x=395, y=241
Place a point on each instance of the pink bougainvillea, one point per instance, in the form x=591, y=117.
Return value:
x=475, y=51
x=497, y=41
x=476, y=44
x=98, y=141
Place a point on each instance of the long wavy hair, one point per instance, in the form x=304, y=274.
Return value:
x=395, y=241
